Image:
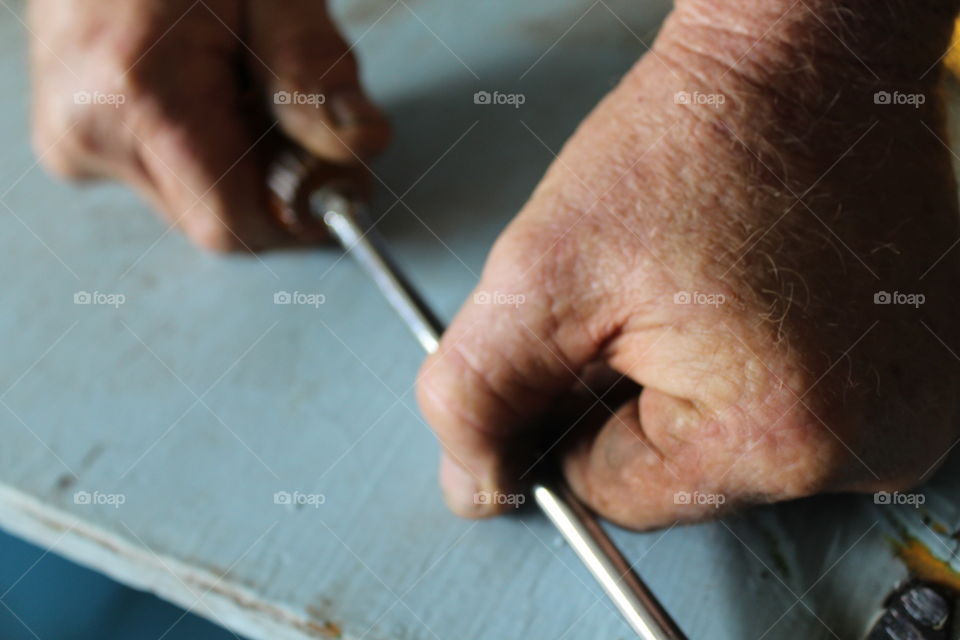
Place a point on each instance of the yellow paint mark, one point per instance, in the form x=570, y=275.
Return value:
x=952, y=59
x=923, y=564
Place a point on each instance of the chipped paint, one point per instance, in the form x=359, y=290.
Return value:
x=924, y=565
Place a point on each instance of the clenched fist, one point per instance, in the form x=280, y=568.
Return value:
x=757, y=228
x=190, y=101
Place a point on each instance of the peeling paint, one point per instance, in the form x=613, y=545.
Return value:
x=923, y=564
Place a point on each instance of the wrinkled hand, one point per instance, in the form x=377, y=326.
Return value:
x=721, y=231
x=187, y=101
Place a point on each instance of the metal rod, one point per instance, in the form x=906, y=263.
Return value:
x=580, y=528
x=378, y=265
x=573, y=520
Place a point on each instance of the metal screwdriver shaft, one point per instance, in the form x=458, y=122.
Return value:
x=578, y=525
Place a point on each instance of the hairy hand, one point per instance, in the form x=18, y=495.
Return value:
x=756, y=228
x=187, y=102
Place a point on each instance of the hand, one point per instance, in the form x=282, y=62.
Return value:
x=181, y=100
x=720, y=231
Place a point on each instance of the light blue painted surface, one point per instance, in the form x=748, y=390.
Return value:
x=319, y=400
x=51, y=598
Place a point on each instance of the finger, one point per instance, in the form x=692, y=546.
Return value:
x=205, y=156
x=312, y=81
x=638, y=482
x=694, y=444
x=509, y=353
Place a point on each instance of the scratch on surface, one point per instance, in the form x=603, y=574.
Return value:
x=64, y=525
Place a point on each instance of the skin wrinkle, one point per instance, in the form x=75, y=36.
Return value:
x=830, y=242
x=698, y=196
x=504, y=439
x=481, y=373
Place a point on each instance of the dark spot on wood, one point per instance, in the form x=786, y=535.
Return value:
x=92, y=456
x=65, y=481
x=147, y=280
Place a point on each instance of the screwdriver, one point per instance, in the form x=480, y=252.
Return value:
x=341, y=215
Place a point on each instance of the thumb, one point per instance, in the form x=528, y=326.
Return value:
x=514, y=347
x=312, y=80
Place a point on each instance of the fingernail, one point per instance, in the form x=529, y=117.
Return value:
x=461, y=489
x=350, y=108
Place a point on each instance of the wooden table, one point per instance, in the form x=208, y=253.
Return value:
x=153, y=440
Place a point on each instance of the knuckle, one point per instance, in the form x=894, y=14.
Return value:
x=458, y=399
x=436, y=392
x=57, y=161
x=803, y=459
x=543, y=261
x=72, y=132
x=790, y=452
x=215, y=236
x=62, y=151
x=218, y=242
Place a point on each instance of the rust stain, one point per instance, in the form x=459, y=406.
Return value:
x=923, y=564
x=212, y=585
x=321, y=625
x=326, y=629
